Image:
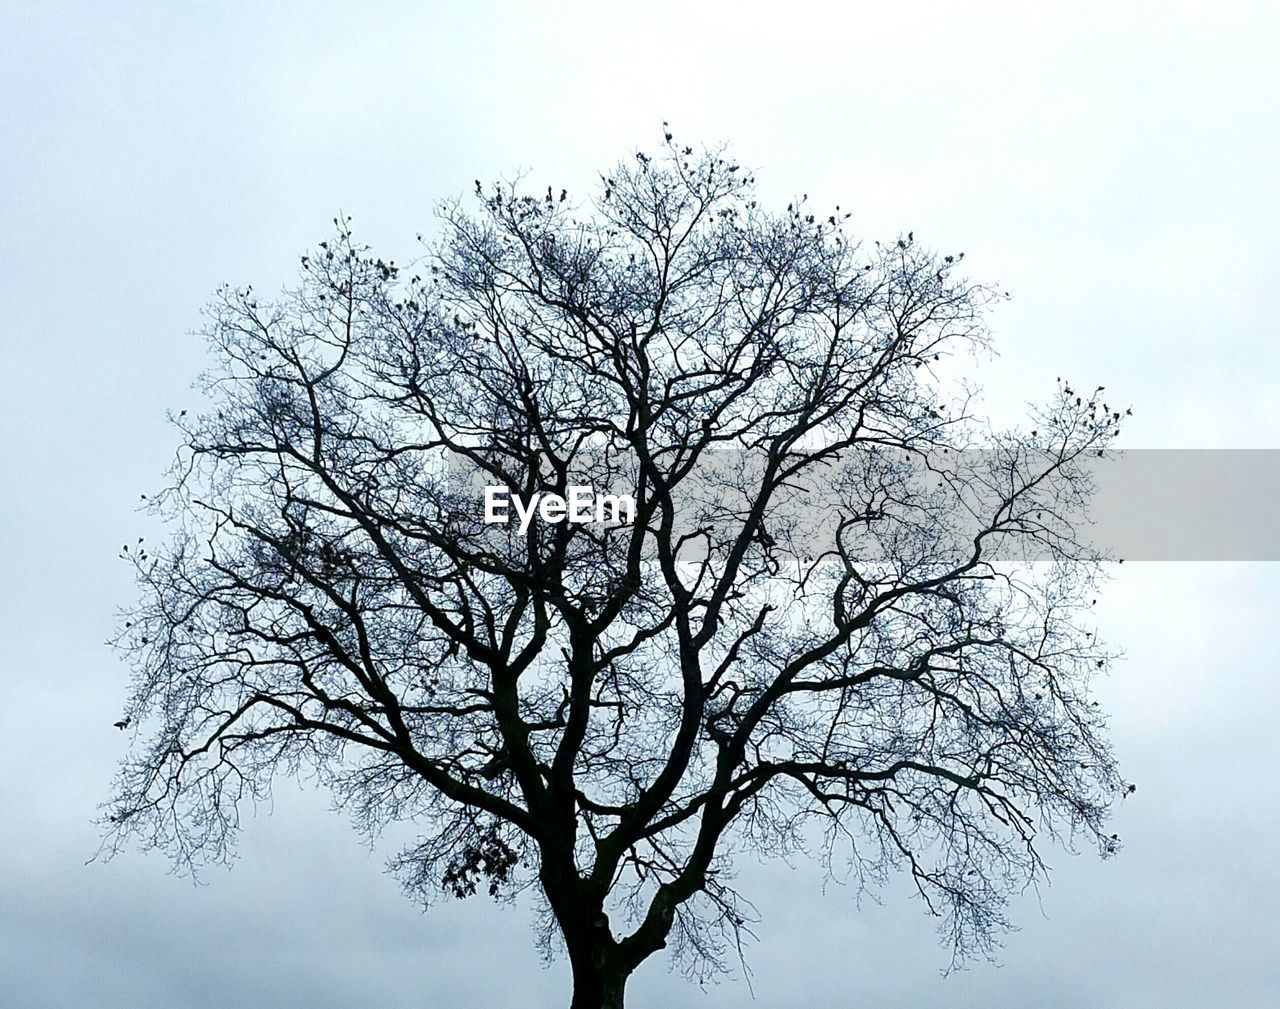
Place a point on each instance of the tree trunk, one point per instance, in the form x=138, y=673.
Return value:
x=600, y=969
x=598, y=979
x=594, y=991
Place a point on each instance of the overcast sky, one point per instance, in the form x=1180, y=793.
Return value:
x=1111, y=165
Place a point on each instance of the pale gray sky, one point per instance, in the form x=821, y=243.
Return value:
x=1111, y=165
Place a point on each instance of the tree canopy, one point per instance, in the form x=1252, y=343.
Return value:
x=849, y=617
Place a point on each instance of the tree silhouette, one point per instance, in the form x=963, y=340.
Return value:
x=848, y=617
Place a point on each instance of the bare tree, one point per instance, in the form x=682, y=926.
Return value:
x=848, y=616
